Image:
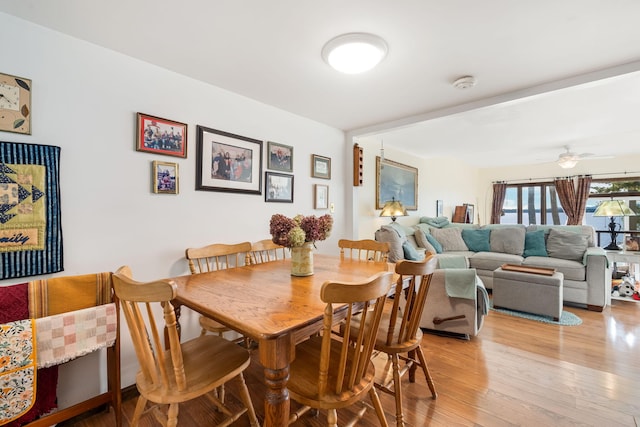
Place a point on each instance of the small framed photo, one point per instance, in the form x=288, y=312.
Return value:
x=320, y=167
x=321, y=196
x=278, y=187
x=280, y=157
x=228, y=162
x=165, y=177
x=161, y=136
x=439, y=208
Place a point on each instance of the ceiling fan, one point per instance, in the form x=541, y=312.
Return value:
x=568, y=159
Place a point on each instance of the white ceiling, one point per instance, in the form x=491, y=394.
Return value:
x=550, y=72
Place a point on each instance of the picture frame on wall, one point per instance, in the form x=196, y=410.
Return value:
x=321, y=196
x=279, y=157
x=15, y=104
x=439, y=208
x=165, y=177
x=320, y=167
x=396, y=181
x=278, y=187
x=161, y=136
x=227, y=162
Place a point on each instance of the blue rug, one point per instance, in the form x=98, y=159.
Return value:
x=566, y=319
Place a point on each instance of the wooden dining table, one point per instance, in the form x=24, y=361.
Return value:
x=277, y=310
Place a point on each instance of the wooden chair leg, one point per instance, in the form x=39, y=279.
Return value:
x=427, y=375
x=140, y=405
x=246, y=399
x=172, y=415
x=375, y=399
x=397, y=390
x=332, y=418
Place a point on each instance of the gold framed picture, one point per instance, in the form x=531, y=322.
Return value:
x=165, y=177
x=15, y=104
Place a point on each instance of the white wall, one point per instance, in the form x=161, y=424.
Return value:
x=85, y=100
x=444, y=179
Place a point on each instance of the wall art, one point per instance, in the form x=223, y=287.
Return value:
x=161, y=136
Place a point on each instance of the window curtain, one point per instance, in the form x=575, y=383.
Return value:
x=499, y=193
x=572, y=199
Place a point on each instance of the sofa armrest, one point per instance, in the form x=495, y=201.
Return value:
x=598, y=277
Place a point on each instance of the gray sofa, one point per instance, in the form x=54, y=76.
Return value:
x=570, y=250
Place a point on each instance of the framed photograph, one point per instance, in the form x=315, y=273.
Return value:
x=631, y=243
x=439, y=208
x=15, y=104
x=165, y=177
x=320, y=167
x=470, y=213
x=228, y=162
x=396, y=181
x=161, y=136
x=321, y=196
x=279, y=157
x=278, y=187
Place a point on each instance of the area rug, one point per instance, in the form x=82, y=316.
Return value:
x=566, y=319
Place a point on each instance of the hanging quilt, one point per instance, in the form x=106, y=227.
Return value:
x=30, y=225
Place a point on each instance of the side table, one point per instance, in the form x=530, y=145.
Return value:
x=631, y=258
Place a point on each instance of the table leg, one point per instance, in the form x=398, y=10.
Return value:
x=276, y=356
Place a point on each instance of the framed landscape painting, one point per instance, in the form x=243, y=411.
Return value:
x=228, y=162
x=396, y=181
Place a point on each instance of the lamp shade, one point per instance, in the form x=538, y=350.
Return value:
x=614, y=208
x=393, y=209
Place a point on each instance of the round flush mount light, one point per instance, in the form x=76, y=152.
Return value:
x=354, y=53
x=464, y=82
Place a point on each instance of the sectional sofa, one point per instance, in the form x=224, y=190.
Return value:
x=570, y=250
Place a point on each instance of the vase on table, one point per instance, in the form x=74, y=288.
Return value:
x=302, y=260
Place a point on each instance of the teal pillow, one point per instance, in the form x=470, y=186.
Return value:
x=534, y=244
x=436, y=245
x=477, y=240
x=409, y=251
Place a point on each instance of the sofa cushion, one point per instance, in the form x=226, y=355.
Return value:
x=389, y=234
x=450, y=239
x=492, y=260
x=477, y=240
x=586, y=230
x=434, y=243
x=534, y=244
x=572, y=270
x=508, y=240
x=409, y=251
x=423, y=242
x=566, y=245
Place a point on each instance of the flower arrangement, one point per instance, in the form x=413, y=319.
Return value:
x=296, y=231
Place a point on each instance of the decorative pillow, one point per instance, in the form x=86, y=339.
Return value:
x=534, y=244
x=566, y=245
x=436, y=245
x=450, y=239
x=477, y=240
x=421, y=240
x=390, y=235
x=409, y=251
x=507, y=240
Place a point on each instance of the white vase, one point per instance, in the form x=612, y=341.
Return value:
x=302, y=260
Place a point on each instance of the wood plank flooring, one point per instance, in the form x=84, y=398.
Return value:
x=517, y=372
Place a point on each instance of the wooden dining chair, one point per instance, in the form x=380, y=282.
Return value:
x=366, y=249
x=218, y=256
x=182, y=371
x=399, y=335
x=266, y=251
x=333, y=373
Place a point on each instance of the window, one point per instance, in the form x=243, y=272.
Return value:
x=626, y=189
x=532, y=203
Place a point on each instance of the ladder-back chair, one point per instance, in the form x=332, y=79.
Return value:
x=184, y=371
x=366, y=249
x=332, y=373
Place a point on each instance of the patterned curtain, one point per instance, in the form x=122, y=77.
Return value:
x=573, y=201
x=499, y=193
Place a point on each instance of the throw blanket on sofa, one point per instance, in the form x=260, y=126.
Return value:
x=17, y=369
x=460, y=282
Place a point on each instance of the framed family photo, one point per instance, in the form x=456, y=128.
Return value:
x=321, y=193
x=161, y=136
x=279, y=157
x=278, y=187
x=320, y=167
x=228, y=162
x=165, y=177
x=396, y=181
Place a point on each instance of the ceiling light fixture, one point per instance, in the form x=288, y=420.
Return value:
x=567, y=162
x=354, y=53
x=465, y=82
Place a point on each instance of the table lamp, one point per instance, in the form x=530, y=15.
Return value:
x=613, y=208
x=394, y=209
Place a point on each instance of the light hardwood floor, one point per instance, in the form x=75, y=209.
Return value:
x=516, y=372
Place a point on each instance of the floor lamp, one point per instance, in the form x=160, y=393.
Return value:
x=613, y=208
